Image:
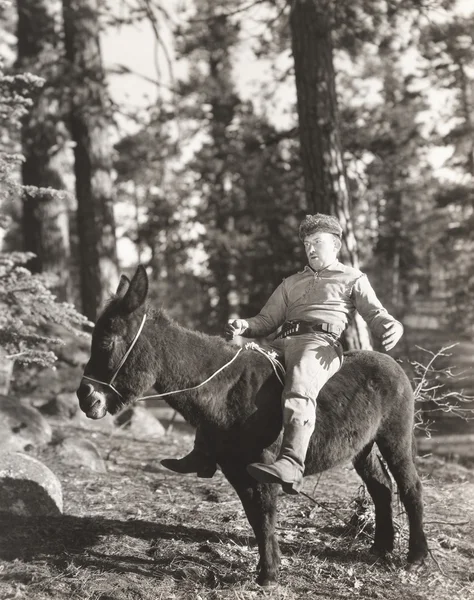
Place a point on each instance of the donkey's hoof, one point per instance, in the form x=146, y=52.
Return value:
x=415, y=566
x=380, y=551
x=416, y=559
x=267, y=581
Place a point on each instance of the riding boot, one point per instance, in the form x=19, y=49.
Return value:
x=200, y=460
x=288, y=469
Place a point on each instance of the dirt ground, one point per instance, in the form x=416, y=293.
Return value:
x=140, y=532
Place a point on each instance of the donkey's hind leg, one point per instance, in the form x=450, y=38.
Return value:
x=398, y=452
x=373, y=473
x=259, y=502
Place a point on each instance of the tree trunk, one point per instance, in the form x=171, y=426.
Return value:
x=223, y=100
x=321, y=150
x=45, y=212
x=89, y=123
x=466, y=89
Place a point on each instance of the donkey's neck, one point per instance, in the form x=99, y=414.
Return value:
x=185, y=359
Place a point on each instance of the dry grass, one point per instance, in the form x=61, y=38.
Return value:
x=140, y=532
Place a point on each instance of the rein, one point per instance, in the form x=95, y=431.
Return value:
x=195, y=387
x=277, y=367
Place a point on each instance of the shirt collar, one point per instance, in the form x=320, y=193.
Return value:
x=335, y=267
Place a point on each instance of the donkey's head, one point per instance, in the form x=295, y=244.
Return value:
x=120, y=367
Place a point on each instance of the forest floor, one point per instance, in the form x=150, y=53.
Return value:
x=140, y=532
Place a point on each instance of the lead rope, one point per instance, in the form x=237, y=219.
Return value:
x=271, y=356
x=276, y=364
x=195, y=387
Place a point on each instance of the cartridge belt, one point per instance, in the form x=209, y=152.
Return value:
x=302, y=327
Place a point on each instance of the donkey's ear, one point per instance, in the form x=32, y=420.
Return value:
x=137, y=291
x=123, y=286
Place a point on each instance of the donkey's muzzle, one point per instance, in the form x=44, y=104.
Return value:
x=92, y=403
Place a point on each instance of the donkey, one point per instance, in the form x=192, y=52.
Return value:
x=369, y=401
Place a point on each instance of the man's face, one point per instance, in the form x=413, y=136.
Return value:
x=321, y=249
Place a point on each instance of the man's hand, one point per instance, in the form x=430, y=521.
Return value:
x=235, y=327
x=392, y=335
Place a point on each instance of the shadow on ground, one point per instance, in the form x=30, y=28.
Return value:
x=173, y=550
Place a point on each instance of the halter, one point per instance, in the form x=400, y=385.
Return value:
x=121, y=363
x=277, y=367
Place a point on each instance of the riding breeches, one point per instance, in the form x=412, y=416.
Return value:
x=310, y=360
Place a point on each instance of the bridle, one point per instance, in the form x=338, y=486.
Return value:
x=121, y=363
x=275, y=363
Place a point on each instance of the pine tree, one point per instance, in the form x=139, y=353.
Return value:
x=45, y=219
x=448, y=48
x=326, y=184
x=89, y=122
x=26, y=302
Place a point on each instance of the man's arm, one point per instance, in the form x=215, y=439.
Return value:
x=380, y=322
x=268, y=319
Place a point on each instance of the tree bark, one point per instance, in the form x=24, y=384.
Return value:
x=321, y=149
x=223, y=100
x=89, y=123
x=45, y=212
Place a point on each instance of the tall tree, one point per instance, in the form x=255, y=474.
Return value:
x=325, y=177
x=45, y=211
x=27, y=306
x=397, y=174
x=245, y=174
x=448, y=48
x=209, y=42
x=89, y=122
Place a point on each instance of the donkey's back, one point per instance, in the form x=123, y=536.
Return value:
x=370, y=399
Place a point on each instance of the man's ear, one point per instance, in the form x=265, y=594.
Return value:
x=123, y=286
x=137, y=291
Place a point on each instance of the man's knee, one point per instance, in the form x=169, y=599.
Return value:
x=300, y=410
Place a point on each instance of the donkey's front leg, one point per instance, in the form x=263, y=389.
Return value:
x=260, y=503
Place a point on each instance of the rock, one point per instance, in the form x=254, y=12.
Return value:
x=27, y=487
x=141, y=423
x=47, y=381
x=6, y=369
x=104, y=425
x=80, y=453
x=21, y=426
x=63, y=405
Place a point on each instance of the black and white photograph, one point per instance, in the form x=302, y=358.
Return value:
x=236, y=322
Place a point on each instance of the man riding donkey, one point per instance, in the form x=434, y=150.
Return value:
x=313, y=307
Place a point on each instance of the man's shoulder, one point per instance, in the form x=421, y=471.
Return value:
x=349, y=271
x=296, y=276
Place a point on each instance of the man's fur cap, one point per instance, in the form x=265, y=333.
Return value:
x=319, y=222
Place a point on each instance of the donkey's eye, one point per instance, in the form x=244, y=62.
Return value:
x=107, y=343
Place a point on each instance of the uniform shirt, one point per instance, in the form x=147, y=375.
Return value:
x=330, y=295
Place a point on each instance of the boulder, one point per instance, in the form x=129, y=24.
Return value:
x=21, y=426
x=6, y=370
x=27, y=487
x=78, y=452
x=141, y=423
x=104, y=425
x=63, y=405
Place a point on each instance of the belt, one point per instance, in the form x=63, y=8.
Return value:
x=301, y=327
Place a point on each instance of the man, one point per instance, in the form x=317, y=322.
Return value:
x=313, y=307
